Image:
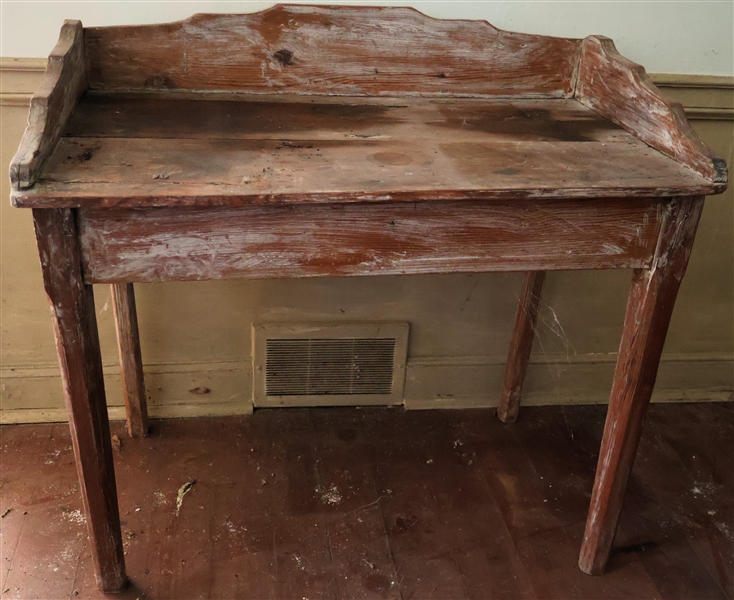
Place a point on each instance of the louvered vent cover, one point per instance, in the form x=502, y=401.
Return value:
x=311, y=365
x=343, y=366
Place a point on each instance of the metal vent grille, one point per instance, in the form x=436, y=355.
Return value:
x=328, y=365
x=304, y=367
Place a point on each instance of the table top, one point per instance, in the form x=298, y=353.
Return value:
x=158, y=149
x=307, y=104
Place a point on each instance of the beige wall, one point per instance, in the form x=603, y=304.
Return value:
x=198, y=334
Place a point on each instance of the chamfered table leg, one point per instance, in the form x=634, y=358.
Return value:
x=131, y=362
x=520, y=346
x=649, y=308
x=75, y=327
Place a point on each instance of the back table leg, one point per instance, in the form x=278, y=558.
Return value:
x=75, y=326
x=649, y=309
x=520, y=346
x=131, y=362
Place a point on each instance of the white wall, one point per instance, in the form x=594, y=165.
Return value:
x=695, y=37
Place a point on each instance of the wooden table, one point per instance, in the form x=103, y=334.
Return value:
x=312, y=141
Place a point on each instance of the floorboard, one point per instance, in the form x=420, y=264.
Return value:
x=378, y=504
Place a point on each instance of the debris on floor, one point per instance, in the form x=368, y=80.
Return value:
x=159, y=498
x=346, y=511
x=73, y=515
x=329, y=495
x=116, y=442
x=182, y=491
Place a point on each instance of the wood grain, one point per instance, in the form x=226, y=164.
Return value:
x=621, y=91
x=366, y=239
x=331, y=50
x=77, y=341
x=520, y=346
x=427, y=527
x=141, y=151
x=649, y=309
x=52, y=104
x=131, y=362
x=221, y=115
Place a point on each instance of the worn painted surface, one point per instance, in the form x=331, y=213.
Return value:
x=621, y=91
x=131, y=361
x=52, y=104
x=160, y=244
x=77, y=342
x=521, y=346
x=335, y=49
x=138, y=150
x=649, y=309
x=350, y=51
x=612, y=477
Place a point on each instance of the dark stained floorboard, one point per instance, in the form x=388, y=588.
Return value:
x=378, y=504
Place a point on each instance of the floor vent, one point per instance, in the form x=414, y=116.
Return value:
x=329, y=365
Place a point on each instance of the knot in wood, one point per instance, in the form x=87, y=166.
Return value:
x=284, y=57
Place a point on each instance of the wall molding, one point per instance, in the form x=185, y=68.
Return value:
x=472, y=381
x=8, y=99
x=33, y=394
x=117, y=413
x=22, y=64
x=431, y=382
x=564, y=359
x=709, y=114
x=663, y=80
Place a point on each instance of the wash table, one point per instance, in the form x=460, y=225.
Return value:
x=307, y=141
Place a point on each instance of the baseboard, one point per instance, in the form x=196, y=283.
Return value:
x=34, y=395
x=469, y=382
x=117, y=413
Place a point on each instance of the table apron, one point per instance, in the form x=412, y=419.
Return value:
x=160, y=244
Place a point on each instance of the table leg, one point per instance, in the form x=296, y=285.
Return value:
x=649, y=308
x=131, y=362
x=75, y=327
x=520, y=346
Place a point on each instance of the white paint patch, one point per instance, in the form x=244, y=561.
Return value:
x=612, y=249
x=52, y=457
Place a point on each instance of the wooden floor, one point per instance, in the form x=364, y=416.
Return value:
x=378, y=503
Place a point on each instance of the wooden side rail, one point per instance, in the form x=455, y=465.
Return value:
x=51, y=106
x=621, y=91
